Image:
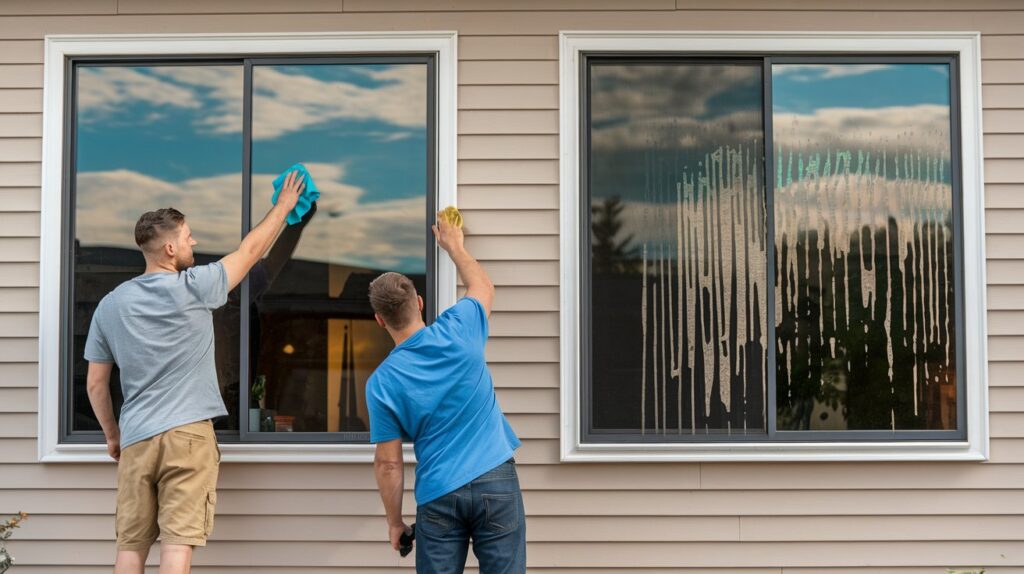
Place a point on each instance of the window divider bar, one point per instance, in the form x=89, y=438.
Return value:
x=243, y=339
x=770, y=382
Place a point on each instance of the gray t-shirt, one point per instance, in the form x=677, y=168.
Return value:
x=158, y=328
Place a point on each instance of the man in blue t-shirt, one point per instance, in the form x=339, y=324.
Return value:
x=435, y=390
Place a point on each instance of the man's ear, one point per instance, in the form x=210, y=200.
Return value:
x=169, y=249
x=419, y=300
x=379, y=320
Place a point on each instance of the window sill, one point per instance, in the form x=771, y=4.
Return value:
x=785, y=452
x=235, y=452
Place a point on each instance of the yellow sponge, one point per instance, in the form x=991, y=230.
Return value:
x=452, y=216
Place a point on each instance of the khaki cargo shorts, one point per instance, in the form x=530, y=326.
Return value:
x=167, y=485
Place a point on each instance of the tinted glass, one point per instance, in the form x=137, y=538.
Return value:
x=677, y=255
x=362, y=132
x=149, y=137
x=864, y=287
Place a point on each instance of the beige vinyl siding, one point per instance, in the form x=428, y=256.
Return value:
x=726, y=518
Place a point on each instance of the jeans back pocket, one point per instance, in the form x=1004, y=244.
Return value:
x=501, y=512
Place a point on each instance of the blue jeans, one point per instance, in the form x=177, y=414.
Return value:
x=488, y=511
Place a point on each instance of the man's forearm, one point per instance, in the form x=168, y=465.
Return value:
x=391, y=483
x=262, y=236
x=103, y=406
x=472, y=273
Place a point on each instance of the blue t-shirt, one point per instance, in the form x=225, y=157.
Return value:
x=435, y=390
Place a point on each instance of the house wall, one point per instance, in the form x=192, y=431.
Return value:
x=710, y=517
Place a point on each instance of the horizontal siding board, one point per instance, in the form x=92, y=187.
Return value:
x=527, y=401
x=1005, y=145
x=1004, y=170
x=1006, y=400
x=514, y=47
x=505, y=72
x=1006, y=323
x=1006, y=246
x=19, y=299
x=1004, y=272
x=502, y=122
x=18, y=324
x=16, y=274
x=484, y=248
x=526, y=299
x=842, y=476
x=1002, y=96
x=532, y=324
x=14, y=224
x=1002, y=71
x=63, y=7
x=1005, y=297
x=620, y=503
x=20, y=198
x=577, y=554
x=505, y=97
x=1005, y=347
x=1002, y=46
x=1004, y=425
x=526, y=375
x=225, y=6
x=19, y=249
x=532, y=5
x=368, y=529
x=27, y=174
x=19, y=350
x=26, y=101
x=22, y=425
x=510, y=196
x=513, y=171
x=1004, y=195
x=19, y=375
x=869, y=528
x=19, y=400
x=516, y=147
x=21, y=76
x=522, y=23
x=522, y=350
x=509, y=222
x=522, y=273
x=22, y=51
x=21, y=150
x=21, y=125
x=1006, y=374
x=1002, y=122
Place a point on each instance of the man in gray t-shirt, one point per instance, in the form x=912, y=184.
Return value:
x=158, y=329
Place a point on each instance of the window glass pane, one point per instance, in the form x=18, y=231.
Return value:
x=361, y=130
x=864, y=309
x=677, y=257
x=149, y=137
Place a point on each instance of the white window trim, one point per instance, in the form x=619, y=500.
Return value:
x=59, y=48
x=967, y=45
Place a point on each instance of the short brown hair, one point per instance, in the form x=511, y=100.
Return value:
x=393, y=297
x=154, y=223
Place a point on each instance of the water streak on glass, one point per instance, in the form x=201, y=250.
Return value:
x=864, y=306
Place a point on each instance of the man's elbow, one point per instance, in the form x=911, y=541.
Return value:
x=387, y=464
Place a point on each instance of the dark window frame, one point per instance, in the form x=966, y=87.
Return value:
x=771, y=434
x=66, y=435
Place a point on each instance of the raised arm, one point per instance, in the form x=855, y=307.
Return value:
x=478, y=283
x=256, y=243
x=98, y=386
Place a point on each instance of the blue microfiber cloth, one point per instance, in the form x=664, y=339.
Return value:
x=306, y=198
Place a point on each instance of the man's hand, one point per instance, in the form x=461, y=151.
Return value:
x=114, y=447
x=395, y=532
x=291, y=189
x=448, y=236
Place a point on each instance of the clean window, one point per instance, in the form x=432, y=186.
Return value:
x=770, y=249
x=296, y=341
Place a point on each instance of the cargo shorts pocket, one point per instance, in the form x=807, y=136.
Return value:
x=211, y=506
